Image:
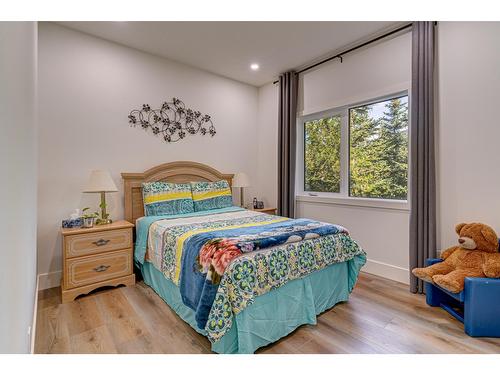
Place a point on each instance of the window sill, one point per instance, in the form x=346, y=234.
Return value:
x=387, y=204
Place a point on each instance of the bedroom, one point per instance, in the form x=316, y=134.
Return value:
x=322, y=132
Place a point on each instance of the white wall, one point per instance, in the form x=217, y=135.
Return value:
x=18, y=187
x=268, y=145
x=469, y=130
x=381, y=232
x=87, y=87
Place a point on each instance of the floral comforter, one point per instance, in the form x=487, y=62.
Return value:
x=221, y=262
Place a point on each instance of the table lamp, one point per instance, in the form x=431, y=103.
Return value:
x=101, y=182
x=241, y=180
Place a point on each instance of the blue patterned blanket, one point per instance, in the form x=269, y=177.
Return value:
x=206, y=255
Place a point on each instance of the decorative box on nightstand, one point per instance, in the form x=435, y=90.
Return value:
x=96, y=257
x=266, y=210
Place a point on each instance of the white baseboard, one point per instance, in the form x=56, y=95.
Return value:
x=388, y=271
x=49, y=280
x=32, y=331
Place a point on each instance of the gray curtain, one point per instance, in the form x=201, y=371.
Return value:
x=288, y=83
x=422, y=160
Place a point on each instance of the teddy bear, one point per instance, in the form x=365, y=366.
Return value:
x=475, y=256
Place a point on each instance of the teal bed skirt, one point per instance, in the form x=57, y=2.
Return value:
x=296, y=303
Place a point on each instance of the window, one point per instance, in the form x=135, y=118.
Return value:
x=378, y=152
x=322, y=155
x=359, y=151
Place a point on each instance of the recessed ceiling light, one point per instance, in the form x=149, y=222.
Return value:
x=254, y=66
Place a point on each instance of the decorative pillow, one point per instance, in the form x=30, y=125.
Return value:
x=211, y=195
x=164, y=198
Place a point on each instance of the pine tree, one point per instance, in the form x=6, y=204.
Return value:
x=394, y=141
x=322, y=155
x=363, y=152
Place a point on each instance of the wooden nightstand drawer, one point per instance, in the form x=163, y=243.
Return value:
x=96, y=257
x=92, y=269
x=98, y=242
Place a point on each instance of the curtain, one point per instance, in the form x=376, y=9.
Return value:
x=287, y=133
x=422, y=158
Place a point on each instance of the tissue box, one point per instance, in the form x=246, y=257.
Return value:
x=72, y=223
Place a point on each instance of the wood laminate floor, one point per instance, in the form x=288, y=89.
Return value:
x=380, y=317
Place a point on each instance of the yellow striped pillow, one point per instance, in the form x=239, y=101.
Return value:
x=211, y=195
x=164, y=198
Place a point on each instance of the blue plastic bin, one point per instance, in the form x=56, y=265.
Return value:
x=477, y=306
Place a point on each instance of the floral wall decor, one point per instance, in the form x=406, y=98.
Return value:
x=173, y=121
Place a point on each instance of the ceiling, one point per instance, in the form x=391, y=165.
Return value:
x=228, y=48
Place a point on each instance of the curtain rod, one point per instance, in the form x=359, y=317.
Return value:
x=339, y=55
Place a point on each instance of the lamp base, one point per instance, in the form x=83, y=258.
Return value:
x=103, y=221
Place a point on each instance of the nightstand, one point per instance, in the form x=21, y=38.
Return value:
x=96, y=257
x=266, y=210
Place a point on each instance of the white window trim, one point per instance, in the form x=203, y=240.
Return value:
x=343, y=198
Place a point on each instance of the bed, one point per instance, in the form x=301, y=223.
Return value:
x=284, y=274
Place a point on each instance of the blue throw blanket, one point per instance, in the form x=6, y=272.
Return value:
x=198, y=284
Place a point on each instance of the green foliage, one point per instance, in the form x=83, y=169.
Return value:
x=378, y=152
x=322, y=155
x=86, y=215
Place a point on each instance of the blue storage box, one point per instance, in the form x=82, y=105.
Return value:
x=477, y=306
x=72, y=223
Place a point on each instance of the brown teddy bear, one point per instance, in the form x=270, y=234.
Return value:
x=476, y=256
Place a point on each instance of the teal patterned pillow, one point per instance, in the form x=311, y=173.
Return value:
x=211, y=195
x=164, y=198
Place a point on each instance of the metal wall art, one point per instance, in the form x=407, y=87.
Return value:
x=172, y=121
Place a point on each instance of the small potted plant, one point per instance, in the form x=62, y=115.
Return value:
x=88, y=218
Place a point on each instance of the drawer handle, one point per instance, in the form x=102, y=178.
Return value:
x=101, y=268
x=101, y=242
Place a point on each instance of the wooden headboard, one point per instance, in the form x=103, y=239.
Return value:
x=177, y=171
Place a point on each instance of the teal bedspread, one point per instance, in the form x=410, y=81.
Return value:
x=296, y=303
x=312, y=270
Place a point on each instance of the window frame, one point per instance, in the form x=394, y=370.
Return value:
x=344, y=197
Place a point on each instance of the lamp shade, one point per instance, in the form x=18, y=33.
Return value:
x=99, y=181
x=241, y=180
